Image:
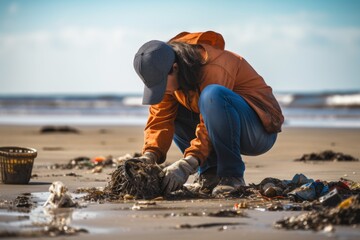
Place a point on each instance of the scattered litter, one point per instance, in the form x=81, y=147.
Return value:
x=98, y=162
x=327, y=155
x=59, y=196
x=345, y=214
x=136, y=180
x=133, y=180
x=241, y=205
x=97, y=169
x=353, y=186
x=85, y=163
x=322, y=199
x=141, y=205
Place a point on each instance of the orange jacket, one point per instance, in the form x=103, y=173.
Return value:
x=224, y=68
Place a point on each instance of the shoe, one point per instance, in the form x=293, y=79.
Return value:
x=206, y=181
x=228, y=185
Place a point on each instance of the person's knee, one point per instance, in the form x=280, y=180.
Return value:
x=211, y=94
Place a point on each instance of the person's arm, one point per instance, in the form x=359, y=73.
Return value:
x=159, y=130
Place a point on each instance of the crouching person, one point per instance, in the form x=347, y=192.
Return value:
x=211, y=103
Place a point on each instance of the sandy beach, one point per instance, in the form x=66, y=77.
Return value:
x=117, y=220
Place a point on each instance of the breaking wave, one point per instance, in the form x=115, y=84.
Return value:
x=320, y=100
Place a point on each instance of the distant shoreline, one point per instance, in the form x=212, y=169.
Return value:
x=334, y=110
x=26, y=120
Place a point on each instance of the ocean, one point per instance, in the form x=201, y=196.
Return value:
x=331, y=109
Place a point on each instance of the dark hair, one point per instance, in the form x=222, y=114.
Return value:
x=189, y=60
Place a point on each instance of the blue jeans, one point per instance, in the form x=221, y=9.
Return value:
x=233, y=126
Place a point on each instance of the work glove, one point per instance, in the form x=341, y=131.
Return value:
x=177, y=173
x=148, y=157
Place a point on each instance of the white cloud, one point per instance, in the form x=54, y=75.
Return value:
x=71, y=59
x=290, y=52
x=292, y=31
x=292, y=35
x=90, y=37
x=299, y=55
x=69, y=36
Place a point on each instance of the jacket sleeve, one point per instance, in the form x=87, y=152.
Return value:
x=159, y=130
x=200, y=146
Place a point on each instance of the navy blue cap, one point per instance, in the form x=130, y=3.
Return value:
x=153, y=63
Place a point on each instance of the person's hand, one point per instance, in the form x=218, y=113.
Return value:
x=177, y=173
x=148, y=157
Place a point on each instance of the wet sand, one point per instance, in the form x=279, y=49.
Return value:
x=117, y=220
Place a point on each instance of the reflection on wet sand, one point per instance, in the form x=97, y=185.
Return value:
x=36, y=221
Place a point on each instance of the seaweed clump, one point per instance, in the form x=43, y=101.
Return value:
x=326, y=155
x=136, y=178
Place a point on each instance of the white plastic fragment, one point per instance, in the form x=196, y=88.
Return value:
x=59, y=196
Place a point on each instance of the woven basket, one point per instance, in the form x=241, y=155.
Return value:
x=16, y=164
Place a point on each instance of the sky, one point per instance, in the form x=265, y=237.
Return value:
x=88, y=46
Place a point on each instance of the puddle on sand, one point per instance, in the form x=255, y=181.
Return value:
x=38, y=221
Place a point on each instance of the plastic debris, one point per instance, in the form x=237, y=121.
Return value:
x=97, y=169
x=99, y=160
x=332, y=199
x=140, y=205
x=309, y=191
x=352, y=185
x=273, y=187
x=83, y=162
x=347, y=214
x=59, y=196
x=273, y=192
x=241, y=205
x=300, y=179
x=348, y=202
